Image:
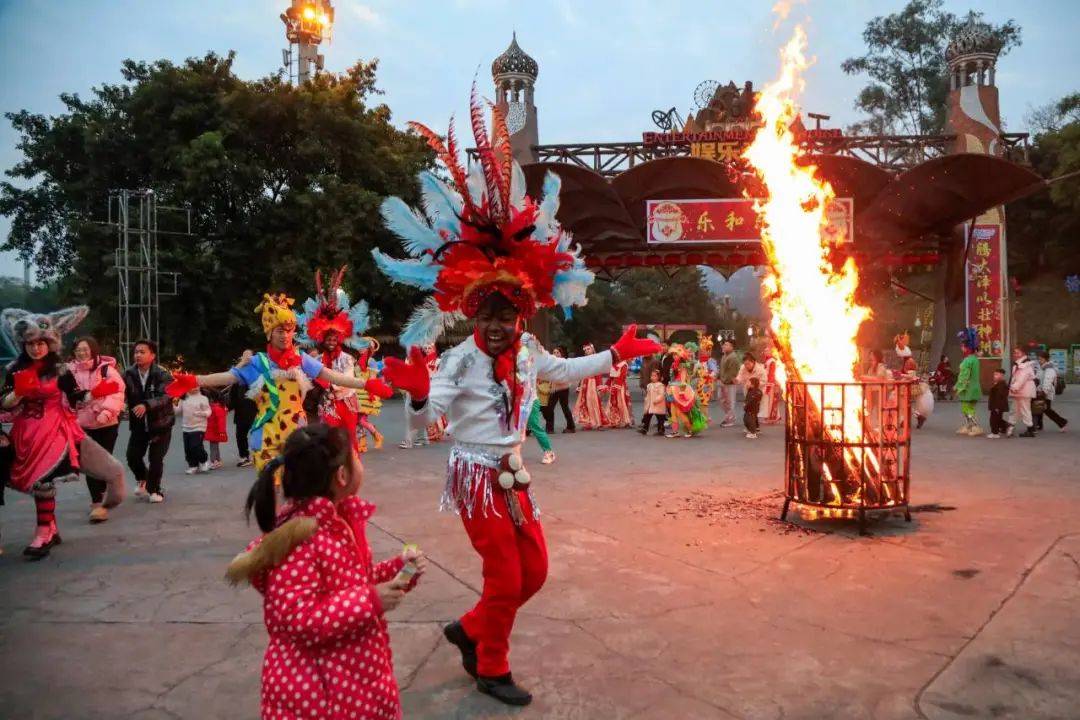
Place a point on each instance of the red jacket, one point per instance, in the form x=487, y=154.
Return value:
x=329, y=652
x=215, y=426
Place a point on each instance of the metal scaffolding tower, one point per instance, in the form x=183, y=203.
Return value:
x=134, y=213
x=307, y=24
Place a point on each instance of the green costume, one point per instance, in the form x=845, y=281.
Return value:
x=968, y=387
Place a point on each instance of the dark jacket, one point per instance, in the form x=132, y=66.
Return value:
x=244, y=408
x=999, y=396
x=752, y=403
x=159, y=417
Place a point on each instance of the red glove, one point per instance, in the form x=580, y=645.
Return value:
x=182, y=384
x=411, y=376
x=378, y=388
x=105, y=388
x=26, y=382
x=629, y=346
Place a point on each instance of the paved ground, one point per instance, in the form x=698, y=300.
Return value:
x=665, y=600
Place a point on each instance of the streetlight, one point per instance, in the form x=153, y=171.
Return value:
x=307, y=24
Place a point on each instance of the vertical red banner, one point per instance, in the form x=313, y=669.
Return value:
x=985, y=290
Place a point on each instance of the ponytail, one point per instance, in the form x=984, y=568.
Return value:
x=261, y=497
x=311, y=456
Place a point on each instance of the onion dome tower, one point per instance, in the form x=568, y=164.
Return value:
x=514, y=73
x=975, y=118
x=973, y=96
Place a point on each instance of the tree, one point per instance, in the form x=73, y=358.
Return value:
x=905, y=60
x=280, y=180
x=640, y=296
x=1043, y=227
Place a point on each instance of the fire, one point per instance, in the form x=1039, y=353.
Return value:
x=815, y=317
x=814, y=314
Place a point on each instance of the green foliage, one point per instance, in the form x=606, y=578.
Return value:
x=1043, y=227
x=905, y=61
x=643, y=296
x=280, y=180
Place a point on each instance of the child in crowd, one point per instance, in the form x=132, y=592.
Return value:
x=751, y=406
x=195, y=409
x=324, y=599
x=655, y=404
x=999, y=405
x=216, y=433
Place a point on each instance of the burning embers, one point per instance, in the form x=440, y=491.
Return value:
x=848, y=447
x=848, y=441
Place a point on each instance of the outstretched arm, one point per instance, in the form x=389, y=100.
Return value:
x=569, y=370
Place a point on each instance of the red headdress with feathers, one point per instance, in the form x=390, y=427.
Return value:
x=493, y=250
x=329, y=315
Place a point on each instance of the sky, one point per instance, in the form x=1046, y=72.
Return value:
x=605, y=65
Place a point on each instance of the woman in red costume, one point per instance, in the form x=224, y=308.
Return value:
x=50, y=447
x=618, y=413
x=493, y=255
x=589, y=408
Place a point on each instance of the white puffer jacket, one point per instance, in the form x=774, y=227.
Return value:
x=1022, y=384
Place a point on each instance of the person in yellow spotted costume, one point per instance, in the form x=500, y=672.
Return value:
x=277, y=380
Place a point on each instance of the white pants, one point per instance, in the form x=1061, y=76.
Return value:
x=1021, y=406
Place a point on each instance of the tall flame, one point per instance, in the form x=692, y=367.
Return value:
x=814, y=314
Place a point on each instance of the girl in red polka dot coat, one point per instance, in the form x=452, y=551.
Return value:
x=329, y=652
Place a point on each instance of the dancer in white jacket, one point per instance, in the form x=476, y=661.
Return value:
x=491, y=254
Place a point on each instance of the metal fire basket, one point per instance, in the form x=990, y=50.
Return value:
x=848, y=448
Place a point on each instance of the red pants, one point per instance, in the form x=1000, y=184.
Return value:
x=515, y=567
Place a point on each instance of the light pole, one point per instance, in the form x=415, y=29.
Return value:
x=307, y=24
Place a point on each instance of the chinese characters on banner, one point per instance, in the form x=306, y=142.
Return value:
x=984, y=288
x=730, y=220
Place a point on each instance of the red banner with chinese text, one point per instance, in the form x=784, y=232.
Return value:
x=984, y=289
x=729, y=220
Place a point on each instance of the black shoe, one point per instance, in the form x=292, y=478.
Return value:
x=504, y=689
x=570, y=430
x=643, y=431
x=37, y=553
x=1027, y=433
x=455, y=634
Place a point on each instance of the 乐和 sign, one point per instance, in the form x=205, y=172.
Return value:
x=730, y=220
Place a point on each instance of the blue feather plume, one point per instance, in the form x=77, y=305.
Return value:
x=426, y=323
x=415, y=233
x=418, y=273
x=441, y=204
x=549, y=206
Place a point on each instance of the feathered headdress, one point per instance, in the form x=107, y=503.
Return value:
x=275, y=310
x=330, y=310
x=969, y=336
x=481, y=235
x=902, y=345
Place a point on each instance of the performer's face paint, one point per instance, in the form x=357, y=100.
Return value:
x=281, y=338
x=498, y=323
x=37, y=349
x=331, y=340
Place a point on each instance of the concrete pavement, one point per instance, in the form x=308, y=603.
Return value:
x=673, y=591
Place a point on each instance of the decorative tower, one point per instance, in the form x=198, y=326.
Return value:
x=975, y=119
x=514, y=73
